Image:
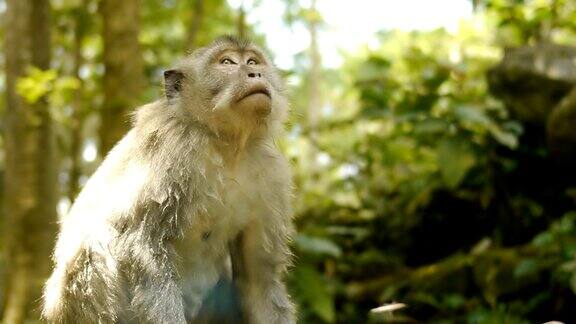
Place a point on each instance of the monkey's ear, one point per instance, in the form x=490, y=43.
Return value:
x=173, y=83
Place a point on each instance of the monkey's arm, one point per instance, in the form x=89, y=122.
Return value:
x=260, y=264
x=262, y=254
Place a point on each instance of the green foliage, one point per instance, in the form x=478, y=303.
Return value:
x=423, y=192
x=36, y=85
x=317, y=245
x=520, y=22
x=455, y=158
x=428, y=192
x=314, y=292
x=39, y=83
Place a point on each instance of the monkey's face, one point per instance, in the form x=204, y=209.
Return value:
x=241, y=82
x=229, y=84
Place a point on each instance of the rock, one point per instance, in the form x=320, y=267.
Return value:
x=538, y=85
x=561, y=130
x=532, y=80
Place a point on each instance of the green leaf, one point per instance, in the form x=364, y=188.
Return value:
x=36, y=84
x=573, y=282
x=455, y=158
x=315, y=292
x=430, y=126
x=454, y=301
x=63, y=90
x=472, y=115
x=477, y=116
x=505, y=138
x=317, y=245
x=526, y=268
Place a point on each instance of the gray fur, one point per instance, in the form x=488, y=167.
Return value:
x=149, y=235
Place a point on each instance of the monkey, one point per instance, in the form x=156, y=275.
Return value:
x=196, y=191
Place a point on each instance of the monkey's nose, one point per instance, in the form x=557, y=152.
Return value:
x=254, y=75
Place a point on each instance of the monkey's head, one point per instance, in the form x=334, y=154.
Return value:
x=230, y=85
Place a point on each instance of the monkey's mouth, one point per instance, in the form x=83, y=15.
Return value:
x=255, y=91
x=255, y=99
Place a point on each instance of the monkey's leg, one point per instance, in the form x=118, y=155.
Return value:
x=259, y=263
x=83, y=290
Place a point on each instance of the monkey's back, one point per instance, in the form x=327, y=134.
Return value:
x=86, y=264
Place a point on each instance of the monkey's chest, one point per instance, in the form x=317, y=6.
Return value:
x=241, y=201
x=203, y=251
x=238, y=200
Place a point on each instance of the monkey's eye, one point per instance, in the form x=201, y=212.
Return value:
x=251, y=62
x=227, y=61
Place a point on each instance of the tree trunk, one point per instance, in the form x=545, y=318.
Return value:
x=315, y=102
x=195, y=24
x=30, y=179
x=79, y=113
x=241, y=23
x=123, y=78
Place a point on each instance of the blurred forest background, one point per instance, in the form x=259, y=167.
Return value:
x=433, y=168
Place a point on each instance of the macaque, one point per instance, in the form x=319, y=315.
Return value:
x=195, y=192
